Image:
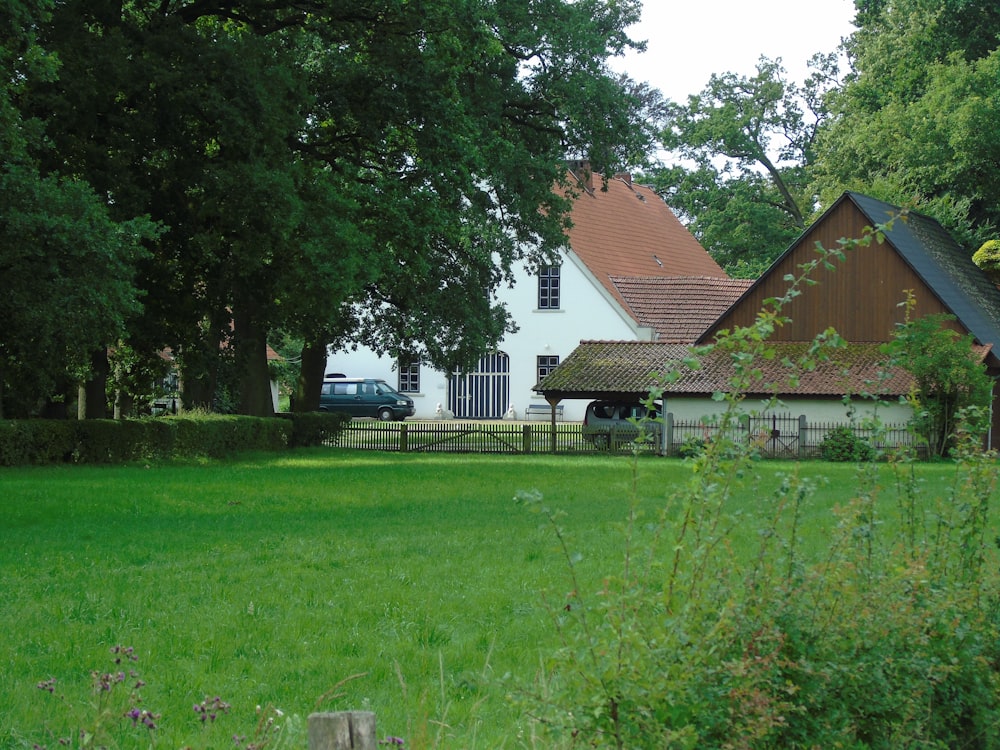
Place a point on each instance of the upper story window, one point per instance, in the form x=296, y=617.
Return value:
x=409, y=377
x=548, y=288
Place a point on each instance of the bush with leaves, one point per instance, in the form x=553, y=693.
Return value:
x=691, y=447
x=949, y=377
x=877, y=642
x=842, y=444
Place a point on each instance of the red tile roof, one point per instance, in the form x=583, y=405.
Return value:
x=624, y=229
x=679, y=308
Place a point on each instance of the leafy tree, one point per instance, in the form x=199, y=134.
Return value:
x=746, y=145
x=368, y=172
x=68, y=267
x=914, y=124
x=951, y=382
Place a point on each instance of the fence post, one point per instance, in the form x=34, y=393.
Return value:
x=404, y=441
x=668, y=433
x=526, y=438
x=342, y=730
x=802, y=435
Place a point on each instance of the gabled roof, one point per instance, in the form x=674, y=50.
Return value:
x=926, y=248
x=629, y=369
x=678, y=308
x=944, y=265
x=620, y=228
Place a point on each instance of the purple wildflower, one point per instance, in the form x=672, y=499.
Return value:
x=209, y=709
x=142, y=716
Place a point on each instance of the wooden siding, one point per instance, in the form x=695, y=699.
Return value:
x=860, y=297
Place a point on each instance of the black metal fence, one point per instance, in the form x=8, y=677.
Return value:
x=772, y=435
x=778, y=435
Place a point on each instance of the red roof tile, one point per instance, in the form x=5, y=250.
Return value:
x=679, y=308
x=627, y=230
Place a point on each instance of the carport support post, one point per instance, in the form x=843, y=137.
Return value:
x=552, y=422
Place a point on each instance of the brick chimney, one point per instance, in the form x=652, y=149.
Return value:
x=582, y=171
x=625, y=177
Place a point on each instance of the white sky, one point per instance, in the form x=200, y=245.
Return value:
x=689, y=40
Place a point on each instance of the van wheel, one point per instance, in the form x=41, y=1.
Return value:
x=601, y=442
x=385, y=414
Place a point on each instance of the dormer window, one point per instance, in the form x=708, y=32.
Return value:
x=548, y=288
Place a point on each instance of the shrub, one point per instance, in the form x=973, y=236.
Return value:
x=38, y=441
x=878, y=640
x=987, y=257
x=691, y=447
x=314, y=427
x=116, y=441
x=842, y=444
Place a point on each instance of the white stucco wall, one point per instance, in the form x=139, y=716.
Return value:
x=815, y=410
x=586, y=311
x=820, y=415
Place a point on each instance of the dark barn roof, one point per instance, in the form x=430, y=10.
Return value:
x=942, y=264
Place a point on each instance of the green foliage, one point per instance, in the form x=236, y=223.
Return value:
x=885, y=636
x=102, y=441
x=71, y=292
x=691, y=448
x=36, y=441
x=402, y=168
x=951, y=384
x=913, y=125
x=843, y=444
x=750, y=140
x=987, y=258
x=314, y=428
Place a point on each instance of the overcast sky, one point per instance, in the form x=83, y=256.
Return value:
x=689, y=40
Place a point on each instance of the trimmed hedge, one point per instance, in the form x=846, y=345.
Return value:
x=314, y=427
x=103, y=441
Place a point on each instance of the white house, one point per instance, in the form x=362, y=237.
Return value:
x=625, y=248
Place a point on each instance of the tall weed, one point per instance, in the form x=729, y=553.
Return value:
x=884, y=640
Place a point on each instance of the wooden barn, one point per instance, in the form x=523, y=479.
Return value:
x=859, y=296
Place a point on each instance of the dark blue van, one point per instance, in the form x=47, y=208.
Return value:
x=365, y=397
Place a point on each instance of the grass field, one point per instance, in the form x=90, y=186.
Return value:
x=269, y=581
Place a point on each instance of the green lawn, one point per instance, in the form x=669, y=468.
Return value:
x=269, y=580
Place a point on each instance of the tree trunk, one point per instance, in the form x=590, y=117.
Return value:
x=124, y=404
x=310, y=377
x=251, y=364
x=94, y=393
x=199, y=370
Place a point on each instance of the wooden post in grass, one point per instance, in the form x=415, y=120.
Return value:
x=342, y=730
